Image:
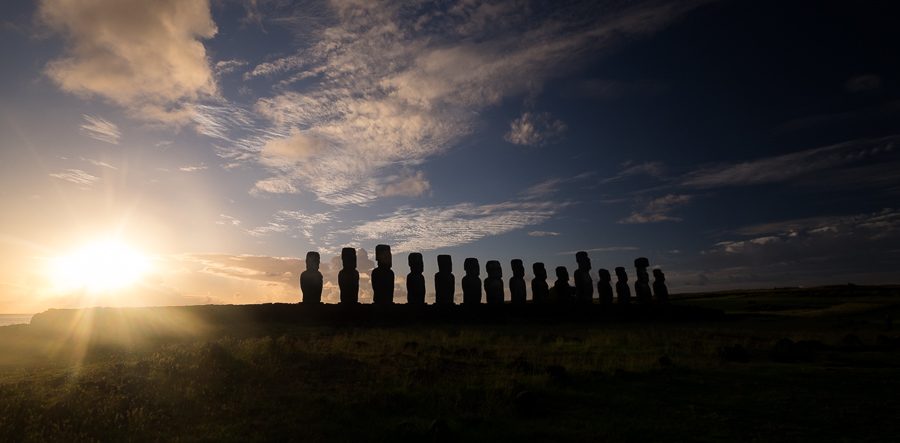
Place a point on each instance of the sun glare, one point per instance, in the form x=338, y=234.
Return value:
x=100, y=266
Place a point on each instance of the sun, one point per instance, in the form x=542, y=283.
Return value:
x=100, y=266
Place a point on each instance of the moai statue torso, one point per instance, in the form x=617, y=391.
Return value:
x=383, y=277
x=517, y=294
x=311, y=280
x=444, y=281
x=415, y=281
x=540, y=291
x=348, y=278
x=642, y=285
x=471, y=282
x=623, y=292
x=563, y=290
x=584, y=284
x=659, y=287
x=604, y=289
x=493, y=284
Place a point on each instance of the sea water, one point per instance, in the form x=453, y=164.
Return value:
x=14, y=319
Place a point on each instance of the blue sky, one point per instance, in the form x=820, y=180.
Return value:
x=736, y=144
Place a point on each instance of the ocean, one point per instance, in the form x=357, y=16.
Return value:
x=14, y=319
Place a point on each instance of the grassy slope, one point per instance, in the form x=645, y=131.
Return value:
x=621, y=382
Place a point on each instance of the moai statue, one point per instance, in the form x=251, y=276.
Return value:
x=623, y=292
x=659, y=287
x=415, y=281
x=563, y=290
x=383, y=277
x=444, y=281
x=642, y=285
x=471, y=282
x=540, y=291
x=517, y=294
x=348, y=278
x=584, y=284
x=604, y=289
x=311, y=280
x=493, y=284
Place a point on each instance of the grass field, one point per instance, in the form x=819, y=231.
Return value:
x=837, y=379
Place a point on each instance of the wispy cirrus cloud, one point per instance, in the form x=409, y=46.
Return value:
x=398, y=82
x=146, y=57
x=82, y=179
x=657, y=210
x=788, y=166
x=608, y=249
x=543, y=233
x=101, y=129
x=424, y=229
x=535, y=129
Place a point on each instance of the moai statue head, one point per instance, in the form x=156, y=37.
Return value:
x=562, y=273
x=658, y=275
x=584, y=263
x=445, y=263
x=348, y=257
x=540, y=272
x=416, y=264
x=641, y=264
x=620, y=273
x=471, y=266
x=493, y=269
x=383, y=256
x=604, y=275
x=518, y=269
x=312, y=261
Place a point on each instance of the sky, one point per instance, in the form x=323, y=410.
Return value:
x=736, y=144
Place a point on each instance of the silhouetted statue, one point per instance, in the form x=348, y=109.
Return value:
x=493, y=284
x=471, y=282
x=383, y=277
x=444, y=281
x=623, y=292
x=540, y=291
x=642, y=284
x=415, y=281
x=348, y=278
x=311, y=280
x=517, y=293
x=604, y=289
x=659, y=287
x=563, y=290
x=584, y=284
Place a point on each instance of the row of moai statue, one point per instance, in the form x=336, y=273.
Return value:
x=445, y=282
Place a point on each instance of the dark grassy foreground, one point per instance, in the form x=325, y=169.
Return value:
x=836, y=380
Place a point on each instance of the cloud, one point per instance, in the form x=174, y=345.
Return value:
x=396, y=82
x=145, y=56
x=788, y=166
x=814, y=249
x=285, y=152
x=77, y=176
x=192, y=168
x=658, y=210
x=410, y=185
x=542, y=233
x=99, y=163
x=864, y=83
x=535, y=129
x=653, y=169
x=424, y=229
x=284, y=271
x=101, y=129
x=609, y=249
